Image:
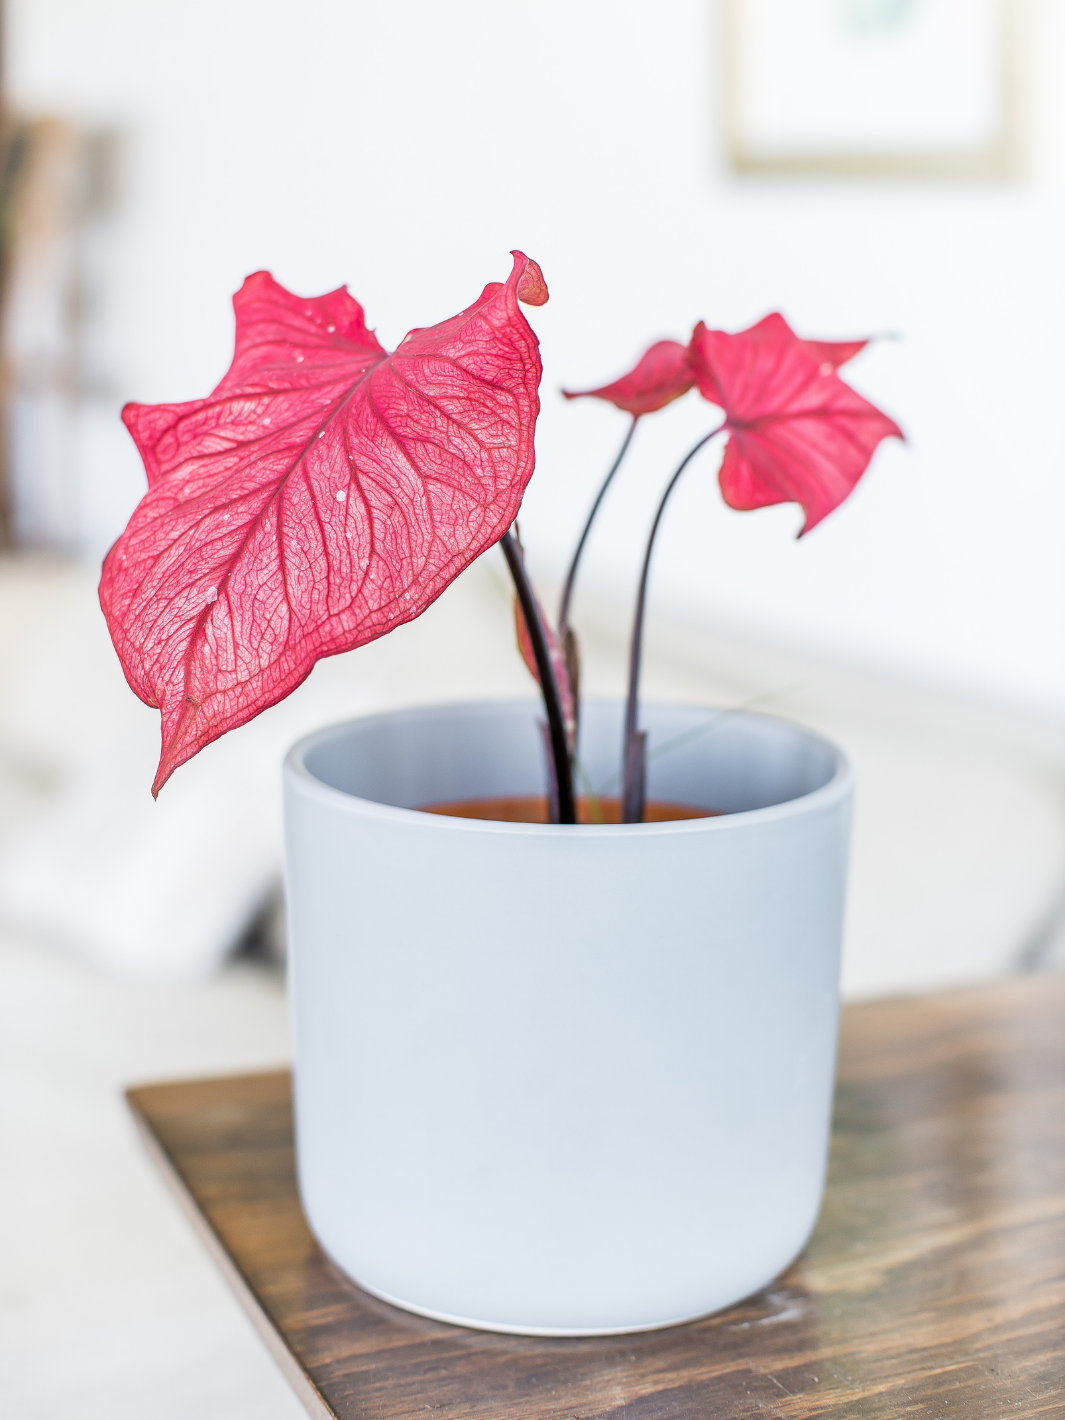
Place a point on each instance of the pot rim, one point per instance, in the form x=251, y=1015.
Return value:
x=838, y=787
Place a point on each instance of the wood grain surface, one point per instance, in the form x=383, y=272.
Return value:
x=934, y=1284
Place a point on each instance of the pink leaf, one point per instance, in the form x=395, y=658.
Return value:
x=797, y=432
x=324, y=493
x=829, y=354
x=661, y=375
x=560, y=664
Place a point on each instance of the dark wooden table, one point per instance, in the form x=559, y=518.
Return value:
x=934, y=1285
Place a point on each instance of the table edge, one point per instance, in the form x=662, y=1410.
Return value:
x=305, y=1389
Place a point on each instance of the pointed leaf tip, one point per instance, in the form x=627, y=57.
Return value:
x=531, y=288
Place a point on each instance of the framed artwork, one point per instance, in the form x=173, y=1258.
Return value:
x=894, y=88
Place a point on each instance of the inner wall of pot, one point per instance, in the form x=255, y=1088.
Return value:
x=731, y=761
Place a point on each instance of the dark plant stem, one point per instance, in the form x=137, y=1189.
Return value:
x=632, y=757
x=571, y=575
x=560, y=760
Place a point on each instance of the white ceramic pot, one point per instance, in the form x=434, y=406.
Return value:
x=563, y=1080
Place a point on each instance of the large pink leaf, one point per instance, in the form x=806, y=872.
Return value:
x=797, y=432
x=324, y=493
x=661, y=375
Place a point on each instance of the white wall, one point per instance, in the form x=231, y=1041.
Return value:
x=404, y=147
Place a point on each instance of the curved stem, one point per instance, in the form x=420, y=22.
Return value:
x=632, y=762
x=571, y=575
x=560, y=760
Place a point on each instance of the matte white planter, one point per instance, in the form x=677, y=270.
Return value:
x=563, y=1080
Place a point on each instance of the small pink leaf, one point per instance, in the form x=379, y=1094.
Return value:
x=324, y=493
x=560, y=664
x=797, y=432
x=661, y=375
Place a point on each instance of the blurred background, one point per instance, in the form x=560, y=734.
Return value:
x=868, y=167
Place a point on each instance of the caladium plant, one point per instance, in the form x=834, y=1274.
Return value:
x=328, y=490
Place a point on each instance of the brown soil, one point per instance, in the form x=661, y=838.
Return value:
x=517, y=808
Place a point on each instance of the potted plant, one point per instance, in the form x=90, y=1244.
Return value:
x=560, y=1077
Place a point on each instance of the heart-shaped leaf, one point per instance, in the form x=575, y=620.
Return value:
x=797, y=432
x=324, y=493
x=661, y=375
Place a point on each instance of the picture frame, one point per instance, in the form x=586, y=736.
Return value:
x=872, y=88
